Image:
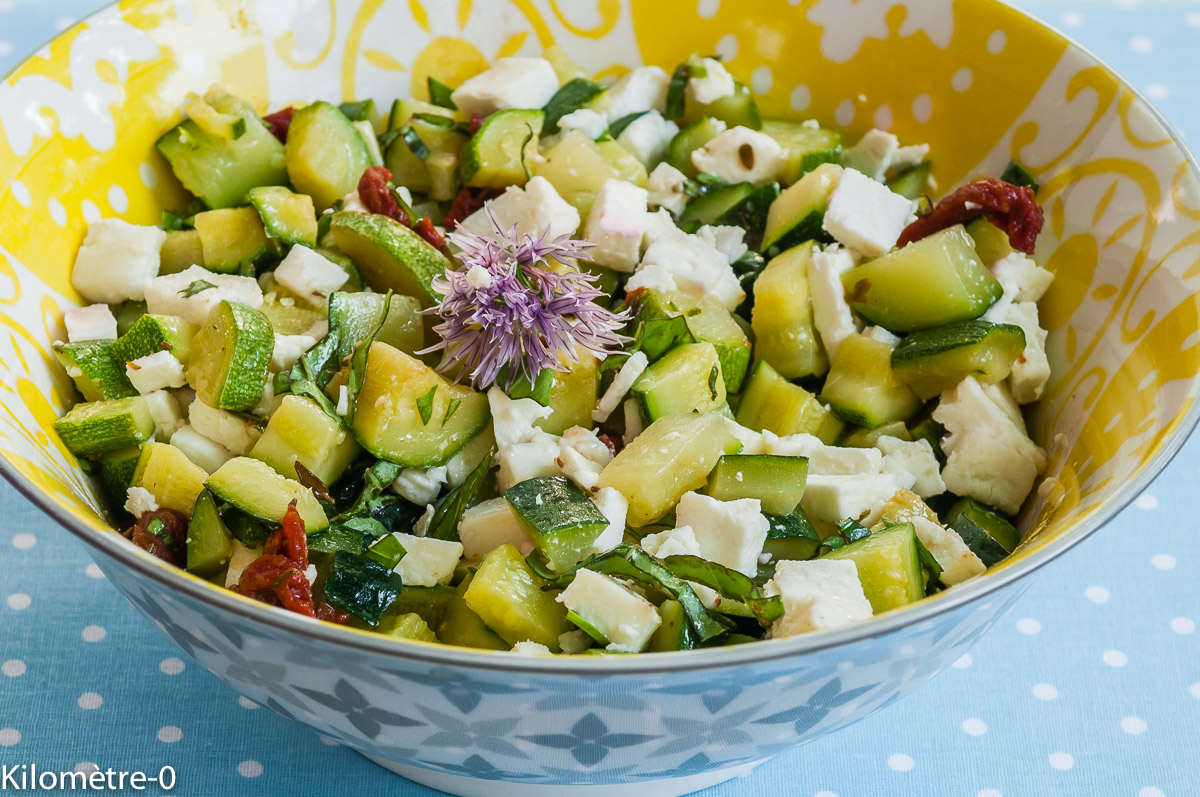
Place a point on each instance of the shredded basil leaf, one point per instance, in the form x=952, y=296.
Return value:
x=573, y=95
x=451, y=408
x=414, y=143
x=375, y=480
x=852, y=530
x=313, y=482
x=359, y=111
x=658, y=336
x=729, y=583
x=675, y=92
x=439, y=93
x=1016, y=174
x=539, y=391
x=386, y=139
x=713, y=376
x=311, y=372
x=524, y=144
x=198, y=286
x=446, y=516
x=358, y=360
x=933, y=570
x=618, y=127
x=435, y=120
x=425, y=405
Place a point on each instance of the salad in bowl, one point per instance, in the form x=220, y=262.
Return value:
x=558, y=367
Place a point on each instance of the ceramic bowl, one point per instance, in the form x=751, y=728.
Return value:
x=977, y=80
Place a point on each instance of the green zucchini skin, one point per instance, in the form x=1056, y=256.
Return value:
x=935, y=360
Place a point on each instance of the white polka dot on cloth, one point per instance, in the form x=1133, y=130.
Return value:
x=988, y=793
x=1097, y=594
x=1072, y=19
x=800, y=98
x=727, y=47
x=171, y=666
x=250, y=769
x=9, y=737
x=93, y=633
x=1146, y=501
x=1133, y=725
x=901, y=762
x=169, y=734
x=1193, y=19
x=1194, y=690
x=1141, y=44
x=1045, y=692
x=1114, y=658
x=1062, y=761
x=707, y=9
x=13, y=668
x=89, y=700
x=1157, y=91
x=1183, y=625
x=974, y=727
x=93, y=571
x=1028, y=626
x=825, y=794
x=1163, y=561
x=18, y=601
x=24, y=541
x=1150, y=791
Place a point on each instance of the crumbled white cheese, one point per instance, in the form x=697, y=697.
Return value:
x=116, y=260
x=585, y=120
x=536, y=209
x=831, y=312
x=531, y=648
x=634, y=425
x=155, y=372
x=742, y=155
x=713, y=84
x=206, y=453
x=624, y=618
x=1031, y=371
x=186, y=294
x=988, y=457
x=913, y=460
x=582, y=457
x=877, y=152
x=238, y=560
x=725, y=239
x=343, y=402
x=731, y=533
x=353, y=203
x=164, y=409
x=427, y=562
x=1023, y=280
x=139, y=501
x=525, y=451
x=616, y=224
x=232, y=431
x=421, y=527
x=835, y=498
x=881, y=335
x=865, y=215
x=509, y=83
x=817, y=595
x=640, y=89
x=479, y=277
x=648, y=137
x=288, y=349
x=622, y=382
x=614, y=506
x=665, y=186
x=94, y=322
x=679, y=541
x=677, y=261
x=310, y=275
x=420, y=485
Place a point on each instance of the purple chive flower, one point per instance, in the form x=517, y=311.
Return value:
x=505, y=312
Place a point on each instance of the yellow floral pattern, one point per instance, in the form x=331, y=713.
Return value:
x=975, y=79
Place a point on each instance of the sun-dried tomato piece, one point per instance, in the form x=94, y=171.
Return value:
x=476, y=122
x=279, y=122
x=331, y=615
x=291, y=541
x=424, y=228
x=375, y=192
x=1010, y=207
x=162, y=533
x=467, y=201
x=614, y=441
x=275, y=575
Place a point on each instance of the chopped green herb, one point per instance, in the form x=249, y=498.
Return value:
x=444, y=523
x=197, y=286
x=451, y=408
x=713, y=376
x=618, y=127
x=414, y=142
x=1016, y=174
x=439, y=93
x=676, y=91
x=387, y=551
x=358, y=360
x=425, y=405
x=524, y=144
x=573, y=95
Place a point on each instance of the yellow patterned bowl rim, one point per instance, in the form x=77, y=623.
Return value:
x=68, y=512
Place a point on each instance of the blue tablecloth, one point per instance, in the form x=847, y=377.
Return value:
x=1090, y=687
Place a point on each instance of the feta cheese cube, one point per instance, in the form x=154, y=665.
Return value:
x=206, y=453
x=427, y=562
x=169, y=294
x=634, y=425
x=1031, y=371
x=817, y=595
x=640, y=89
x=164, y=409
x=488, y=525
x=310, y=275
x=585, y=120
x=913, y=460
x=835, y=498
x=725, y=239
x=288, y=349
x=679, y=541
x=752, y=442
x=836, y=461
x=647, y=137
x=710, y=82
x=94, y=322
x=420, y=485
x=882, y=335
x=1023, y=280
x=155, y=372
x=531, y=648
x=865, y=215
x=988, y=457
x=352, y=203
x=665, y=186
x=536, y=209
x=792, y=445
x=421, y=527
x=622, y=382
x=687, y=263
x=614, y=506
x=232, y=431
x=831, y=312
x=659, y=224
x=624, y=618
x=239, y=559
x=873, y=154
x=909, y=157
x=510, y=83
x=616, y=225
x=139, y=501
x=525, y=451
x=742, y=155
x=731, y=533
x=581, y=457
x=116, y=260
x=958, y=561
